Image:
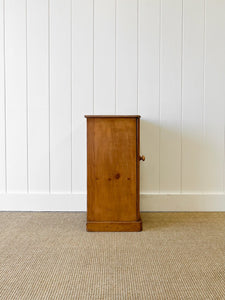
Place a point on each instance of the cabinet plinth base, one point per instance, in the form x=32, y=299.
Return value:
x=110, y=226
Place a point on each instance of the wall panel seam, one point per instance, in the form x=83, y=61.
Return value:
x=138, y=27
x=181, y=100
x=27, y=112
x=71, y=88
x=203, y=73
x=49, y=101
x=159, y=104
x=224, y=153
x=4, y=71
x=93, y=56
x=115, y=53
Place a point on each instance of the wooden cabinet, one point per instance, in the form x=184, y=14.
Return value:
x=113, y=173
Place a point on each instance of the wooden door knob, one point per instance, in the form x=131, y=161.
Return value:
x=142, y=157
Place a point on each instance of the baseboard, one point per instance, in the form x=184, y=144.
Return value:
x=43, y=202
x=182, y=202
x=77, y=202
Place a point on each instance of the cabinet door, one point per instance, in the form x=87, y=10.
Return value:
x=138, y=168
x=112, y=169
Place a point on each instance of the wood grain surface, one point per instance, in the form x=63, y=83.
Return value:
x=113, y=172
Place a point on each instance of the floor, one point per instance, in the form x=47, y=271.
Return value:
x=46, y=255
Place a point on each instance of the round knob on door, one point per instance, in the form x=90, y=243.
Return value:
x=142, y=157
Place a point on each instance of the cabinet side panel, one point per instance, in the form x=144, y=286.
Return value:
x=112, y=169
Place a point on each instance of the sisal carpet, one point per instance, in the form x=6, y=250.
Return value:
x=45, y=255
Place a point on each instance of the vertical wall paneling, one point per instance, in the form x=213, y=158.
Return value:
x=170, y=96
x=82, y=87
x=38, y=110
x=126, y=57
x=104, y=56
x=148, y=91
x=2, y=101
x=16, y=96
x=192, y=95
x=214, y=95
x=60, y=95
x=62, y=59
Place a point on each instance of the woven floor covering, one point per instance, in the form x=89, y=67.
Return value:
x=49, y=255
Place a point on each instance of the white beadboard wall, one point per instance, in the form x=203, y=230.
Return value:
x=62, y=59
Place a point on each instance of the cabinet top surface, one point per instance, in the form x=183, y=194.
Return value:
x=112, y=116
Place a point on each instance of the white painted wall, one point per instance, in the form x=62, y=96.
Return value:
x=61, y=59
